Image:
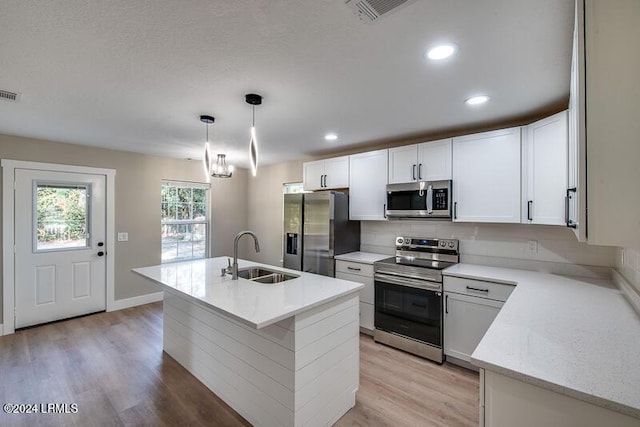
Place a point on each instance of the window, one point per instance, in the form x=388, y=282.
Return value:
x=185, y=221
x=61, y=218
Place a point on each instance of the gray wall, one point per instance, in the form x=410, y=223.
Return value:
x=137, y=201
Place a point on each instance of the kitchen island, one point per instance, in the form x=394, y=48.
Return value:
x=282, y=354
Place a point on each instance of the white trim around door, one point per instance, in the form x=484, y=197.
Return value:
x=8, y=237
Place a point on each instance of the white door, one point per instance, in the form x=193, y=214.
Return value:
x=60, y=267
x=486, y=177
x=336, y=172
x=434, y=160
x=544, y=174
x=313, y=175
x=403, y=164
x=368, y=185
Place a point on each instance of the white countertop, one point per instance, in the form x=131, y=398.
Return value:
x=575, y=336
x=362, y=257
x=256, y=304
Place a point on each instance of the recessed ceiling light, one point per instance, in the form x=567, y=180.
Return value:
x=442, y=51
x=331, y=137
x=476, y=100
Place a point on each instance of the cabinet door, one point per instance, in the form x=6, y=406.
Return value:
x=576, y=176
x=313, y=175
x=434, y=160
x=486, y=177
x=544, y=173
x=367, y=185
x=403, y=164
x=466, y=320
x=336, y=172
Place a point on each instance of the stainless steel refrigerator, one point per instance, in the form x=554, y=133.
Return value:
x=317, y=228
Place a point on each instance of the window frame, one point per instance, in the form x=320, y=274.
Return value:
x=206, y=222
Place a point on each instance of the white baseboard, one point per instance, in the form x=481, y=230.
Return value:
x=120, y=304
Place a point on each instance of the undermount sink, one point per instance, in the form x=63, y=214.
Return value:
x=264, y=275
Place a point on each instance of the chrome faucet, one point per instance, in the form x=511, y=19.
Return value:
x=234, y=267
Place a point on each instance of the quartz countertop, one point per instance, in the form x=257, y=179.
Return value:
x=576, y=336
x=362, y=257
x=253, y=303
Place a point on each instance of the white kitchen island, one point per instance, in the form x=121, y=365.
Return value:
x=282, y=354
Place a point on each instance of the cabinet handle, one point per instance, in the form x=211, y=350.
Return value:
x=353, y=268
x=455, y=210
x=384, y=211
x=446, y=304
x=413, y=172
x=321, y=176
x=420, y=171
x=471, y=288
x=529, y=210
x=567, y=198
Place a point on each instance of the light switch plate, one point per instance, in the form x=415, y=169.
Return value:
x=123, y=237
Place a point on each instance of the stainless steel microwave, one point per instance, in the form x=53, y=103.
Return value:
x=424, y=200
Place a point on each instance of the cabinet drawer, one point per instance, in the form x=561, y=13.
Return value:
x=478, y=288
x=355, y=268
x=366, y=293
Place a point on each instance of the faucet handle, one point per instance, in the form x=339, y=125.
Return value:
x=229, y=261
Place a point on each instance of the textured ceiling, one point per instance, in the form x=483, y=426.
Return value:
x=136, y=74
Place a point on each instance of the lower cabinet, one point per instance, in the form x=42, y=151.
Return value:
x=507, y=402
x=363, y=273
x=470, y=306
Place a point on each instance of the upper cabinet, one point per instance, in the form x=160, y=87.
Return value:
x=367, y=185
x=604, y=123
x=326, y=174
x=429, y=161
x=544, y=171
x=486, y=177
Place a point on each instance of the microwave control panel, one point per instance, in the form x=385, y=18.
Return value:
x=440, y=199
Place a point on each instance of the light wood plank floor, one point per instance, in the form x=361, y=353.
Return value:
x=113, y=367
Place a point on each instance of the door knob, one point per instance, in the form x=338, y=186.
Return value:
x=100, y=244
x=100, y=253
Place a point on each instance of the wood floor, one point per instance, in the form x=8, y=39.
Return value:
x=112, y=366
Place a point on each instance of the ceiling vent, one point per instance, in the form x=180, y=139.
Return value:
x=370, y=10
x=5, y=95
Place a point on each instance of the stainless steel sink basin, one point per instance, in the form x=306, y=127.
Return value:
x=264, y=275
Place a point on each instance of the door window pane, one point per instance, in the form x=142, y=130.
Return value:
x=62, y=219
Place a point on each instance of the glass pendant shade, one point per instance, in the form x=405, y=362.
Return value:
x=220, y=169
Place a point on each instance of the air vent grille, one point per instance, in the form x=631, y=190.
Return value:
x=5, y=95
x=370, y=10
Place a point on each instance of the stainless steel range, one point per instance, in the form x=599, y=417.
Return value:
x=408, y=295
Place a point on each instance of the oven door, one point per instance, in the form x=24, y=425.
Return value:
x=409, y=307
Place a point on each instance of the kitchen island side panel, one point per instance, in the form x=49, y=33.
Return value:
x=262, y=373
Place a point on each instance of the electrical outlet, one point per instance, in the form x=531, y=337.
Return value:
x=532, y=246
x=123, y=237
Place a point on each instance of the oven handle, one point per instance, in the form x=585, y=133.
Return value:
x=406, y=281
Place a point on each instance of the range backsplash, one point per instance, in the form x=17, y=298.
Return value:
x=531, y=247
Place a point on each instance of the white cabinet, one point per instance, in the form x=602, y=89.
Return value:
x=604, y=124
x=367, y=185
x=486, y=177
x=326, y=174
x=362, y=273
x=470, y=308
x=429, y=161
x=544, y=170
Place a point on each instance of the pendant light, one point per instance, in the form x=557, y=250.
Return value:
x=253, y=100
x=219, y=169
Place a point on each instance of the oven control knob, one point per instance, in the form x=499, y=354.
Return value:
x=451, y=244
x=443, y=243
x=399, y=240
